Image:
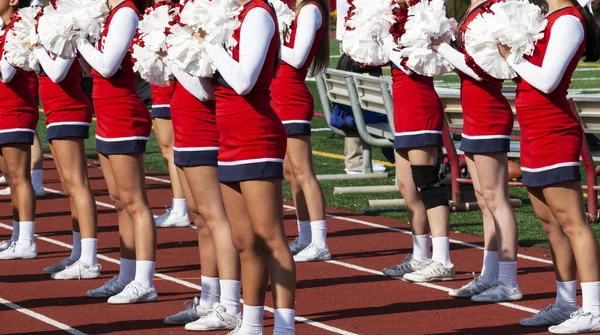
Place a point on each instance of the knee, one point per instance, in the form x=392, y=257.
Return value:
x=269, y=240
x=427, y=181
x=243, y=243
x=303, y=177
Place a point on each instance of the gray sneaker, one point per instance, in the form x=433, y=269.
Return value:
x=499, y=292
x=552, y=315
x=475, y=287
x=296, y=247
x=192, y=312
x=410, y=264
x=58, y=267
x=435, y=271
x=110, y=288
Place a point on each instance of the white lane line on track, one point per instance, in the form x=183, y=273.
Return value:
x=176, y=280
x=344, y=264
x=40, y=317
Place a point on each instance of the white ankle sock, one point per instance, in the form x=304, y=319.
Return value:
x=441, y=250
x=284, y=321
x=26, y=231
x=590, y=294
x=304, y=232
x=211, y=292
x=507, y=273
x=15, y=232
x=421, y=247
x=36, y=179
x=144, y=273
x=566, y=293
x=230, y=295
x=490, y=269
x=76, y=251
x=126, y=271
x=252, y=319
x=179, y=206
x=318, y=230
x=89, y=247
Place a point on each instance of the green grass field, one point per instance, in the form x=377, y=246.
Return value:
x=586, y=80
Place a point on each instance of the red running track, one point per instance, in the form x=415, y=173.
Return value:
x=347, y=295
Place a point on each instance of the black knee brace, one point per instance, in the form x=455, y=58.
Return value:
x=427, y=181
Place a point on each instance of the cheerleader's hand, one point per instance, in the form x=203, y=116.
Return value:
x=435, y=45
x=199, y=35
x=31, y=47
x=504, y=50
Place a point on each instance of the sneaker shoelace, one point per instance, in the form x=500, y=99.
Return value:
x=579, y=313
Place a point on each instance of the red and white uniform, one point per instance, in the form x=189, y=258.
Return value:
x=19, y=113
x=292, y=100
x=551, y=136
x=123, y=122
x=161, y=101
x=68, y=110
x=252, y=138
x=418, y=111
x=488, y=117
x=194, y=121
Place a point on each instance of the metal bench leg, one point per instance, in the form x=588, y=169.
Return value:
x=367, y=163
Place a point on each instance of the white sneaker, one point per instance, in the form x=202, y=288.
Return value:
x=552, y=315
x=5, y=191
x=237, y=329
x=377, y=168
x=409, y=265
x=474, y=287
x=6, y=244
x=499, y=292
x=218, y=319
x=39, y=192
x=313, y=253
x=580, y=322
x=78, y=270
x=58, y=267
x=435, y=271
x=192, y=312
x=110, y=288
x=296, y=247
x=18, y=251
x=172, y=219
x=133, y=293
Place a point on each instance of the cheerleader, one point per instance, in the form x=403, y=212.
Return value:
x=68, y=118
x=123, y=128
x=418, y=120
x=177, y=215
x=488, y=122
x=196, y=149
x=551, y=139
x=252, y=147
x=304, y=43
x=18, y=120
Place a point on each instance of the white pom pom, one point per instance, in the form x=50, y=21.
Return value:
x=150, y=46
x=56, y=33
x=370, y=21
x=188, y=53
x=16, y=51
x=518, y=24
x=285, y=16
x=88, y=16
x=427, y=22
x=483, y=48
x=151, y=67
x=218, y=18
